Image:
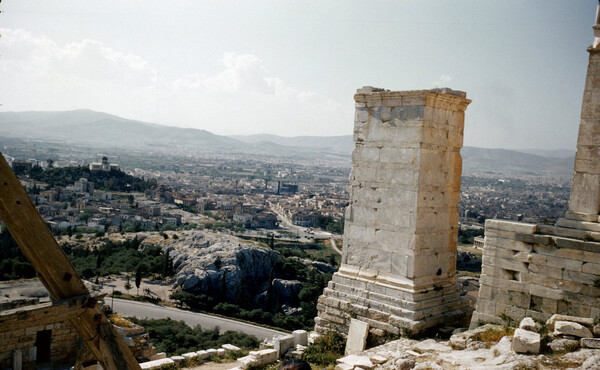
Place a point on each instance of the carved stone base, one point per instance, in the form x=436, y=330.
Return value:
x=387, y=303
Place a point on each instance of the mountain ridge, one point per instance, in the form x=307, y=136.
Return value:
x=100, y=129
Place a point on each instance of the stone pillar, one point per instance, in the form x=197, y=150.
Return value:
x=584, y=204
x=399, y=254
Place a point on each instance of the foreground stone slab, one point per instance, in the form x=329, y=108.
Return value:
x=571, y=328
x=399, y=253
x=361, y=362
x=357, y=337
x=586, y=321
x=525, y=341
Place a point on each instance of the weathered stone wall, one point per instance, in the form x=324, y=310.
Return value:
x=540, y=270
x=63, y=347
x=537, y=271
x=399, y=253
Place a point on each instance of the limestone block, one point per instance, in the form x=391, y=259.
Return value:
x=511, y=226
x=590, y=343
x=571, y=328
x=283, y=344
x=563, y=345
x=267, y=356
x=525, y=341
x=357, y=336
x=248, y=361
x=211, y=352
x=528, y=324
x=300, y=337
x=157, y=364
x=177, y=359
x=221, y=352
x=230, y=347
x=190, y=355
x=203, y=354
x=584, y=192
x=544, y=292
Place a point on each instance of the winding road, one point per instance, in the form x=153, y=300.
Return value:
x=154, y=311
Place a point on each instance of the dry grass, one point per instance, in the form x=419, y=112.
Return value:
x=119, y=320
x=493, y=335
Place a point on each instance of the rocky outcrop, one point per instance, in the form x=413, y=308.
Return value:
x=286, y=292
x=235, y=272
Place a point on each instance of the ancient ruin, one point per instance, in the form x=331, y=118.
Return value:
x=399, y=254
x=541, y=270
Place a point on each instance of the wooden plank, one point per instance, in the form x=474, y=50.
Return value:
x=56, y=272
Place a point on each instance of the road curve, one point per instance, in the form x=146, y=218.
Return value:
x=154, y=311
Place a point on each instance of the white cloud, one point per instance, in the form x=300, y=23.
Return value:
x=242, y=97
x=442, y=81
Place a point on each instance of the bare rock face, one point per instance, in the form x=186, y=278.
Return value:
x=238, y=273
x=286, y=291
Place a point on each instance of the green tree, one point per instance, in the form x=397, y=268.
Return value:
x=127, y=284
x=138, y=278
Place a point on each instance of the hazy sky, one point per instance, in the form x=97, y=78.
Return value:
x=291, y=67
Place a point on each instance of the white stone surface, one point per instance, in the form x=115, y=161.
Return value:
x=528, y=324
x=283, y=344
x=586, y=321
x=203, y=354
x=363, y=362
x=156, y=364
x=571, y=328
x=300, y=337
x=190, y=355
x=177, y=359
x=230, y=347
x=357, y=336
x=525, y=341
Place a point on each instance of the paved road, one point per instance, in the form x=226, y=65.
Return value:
x=153, y=311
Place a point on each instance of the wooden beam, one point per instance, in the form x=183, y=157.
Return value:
x=56, y=272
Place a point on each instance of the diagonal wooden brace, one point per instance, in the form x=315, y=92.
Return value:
x=56, y=272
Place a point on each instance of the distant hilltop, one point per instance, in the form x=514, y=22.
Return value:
x=102, y=130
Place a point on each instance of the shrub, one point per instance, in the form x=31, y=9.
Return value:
x=326, y=349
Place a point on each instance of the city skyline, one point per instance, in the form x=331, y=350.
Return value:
x=291, y=69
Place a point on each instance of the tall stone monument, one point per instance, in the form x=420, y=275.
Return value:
x=541, y=270
x=399, y=254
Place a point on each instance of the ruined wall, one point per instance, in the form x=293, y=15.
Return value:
x=537, y=271
x=63, y=346
x=399, y=253
x=540, y=270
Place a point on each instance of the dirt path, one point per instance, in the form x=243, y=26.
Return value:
x=159, y=289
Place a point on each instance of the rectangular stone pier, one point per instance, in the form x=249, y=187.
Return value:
x=399, y=254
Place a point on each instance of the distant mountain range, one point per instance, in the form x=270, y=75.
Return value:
x=107, y=131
